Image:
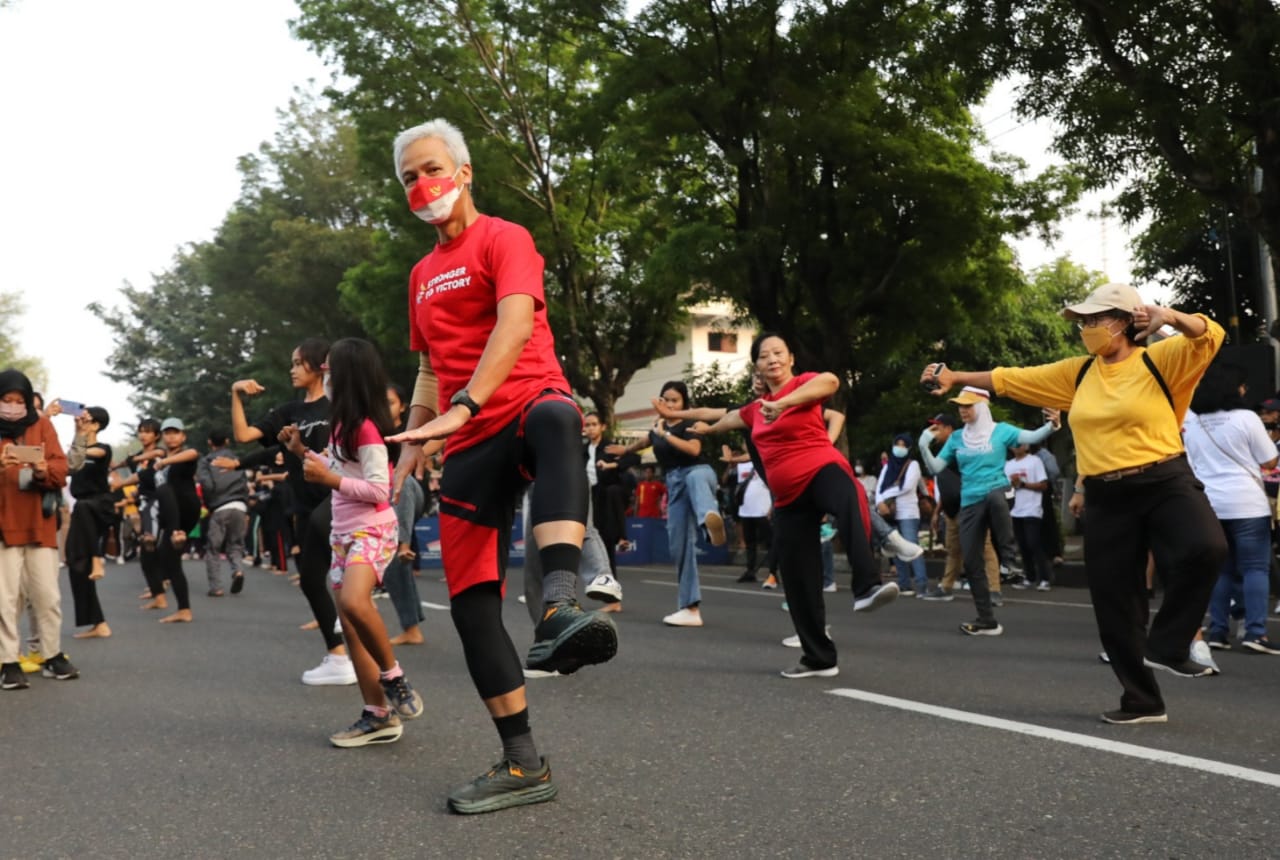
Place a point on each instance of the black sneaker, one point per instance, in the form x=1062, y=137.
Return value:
x=1219, y=642
x=1259, y=645
x=502, y=786
x=747, y=576
x=59, y=668
x=402, y=698
x=12, y=677
x=875, y=597
x=1128, y=718
x=978, y=627
x=237, y=583
x=1182, y=668
x=800, y=670
x=369, y=729
x=566, y=639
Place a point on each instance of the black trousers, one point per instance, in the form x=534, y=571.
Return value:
x=796, y=534
x=1163, y=510
x=89, y=520
x=314, y=557
x=756, y=531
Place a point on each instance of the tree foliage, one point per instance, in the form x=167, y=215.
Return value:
x=237, y=305
x=521, y=80
x=1152, y=92
x=11, y=355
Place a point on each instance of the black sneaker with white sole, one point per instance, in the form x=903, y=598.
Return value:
x=59, y=668
x=1129, y=718
x=979, y=627
x=875, y=597
x=800, y=670
x=1259, y=645
x=12, y=677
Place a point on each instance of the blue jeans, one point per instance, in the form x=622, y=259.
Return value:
x=1247, y=568
x=398, y=579
x=691, y=495
x=910, y=529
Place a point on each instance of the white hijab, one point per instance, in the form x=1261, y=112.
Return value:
x=977, y=433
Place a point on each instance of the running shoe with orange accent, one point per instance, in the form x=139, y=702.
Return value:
x=504, y=785
x=567, y=638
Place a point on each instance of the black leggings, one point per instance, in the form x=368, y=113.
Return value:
x=491, y=657
x=89, y=520
x=797, y=535
x=313, y=568
x=179, y=508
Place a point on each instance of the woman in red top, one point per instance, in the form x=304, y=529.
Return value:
x=808, y=478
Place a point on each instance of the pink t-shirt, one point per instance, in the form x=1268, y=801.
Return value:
x=363, y=498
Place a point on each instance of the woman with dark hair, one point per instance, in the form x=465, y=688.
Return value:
x=311, y=503
x=1127, y=403
x=809, y=478
x=896, y=494
x=1228, y=448
x=691, y=499
x=143, y=465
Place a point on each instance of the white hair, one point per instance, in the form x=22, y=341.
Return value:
x=441, y=129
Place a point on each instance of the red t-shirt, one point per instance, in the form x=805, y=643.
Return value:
x=649, y=495
x=793, y=448
x=453, y=306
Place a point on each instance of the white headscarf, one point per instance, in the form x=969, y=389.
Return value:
x=977, y=433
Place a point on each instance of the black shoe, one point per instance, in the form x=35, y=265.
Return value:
x=502, y=786
x=237, y=583
x=12, y=677
x=748, y=576
x=566, y=639
x=979, y=627
x=1259, y=645
x=59, y=668
x=800, y=670
x=1182, y=668
x=1128, y=718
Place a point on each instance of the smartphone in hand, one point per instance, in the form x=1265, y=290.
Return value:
x=27, y=453
x=70, y=407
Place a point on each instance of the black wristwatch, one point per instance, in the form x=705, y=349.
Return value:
x=463, y=398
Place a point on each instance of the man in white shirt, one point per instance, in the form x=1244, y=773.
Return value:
x=1030, y=481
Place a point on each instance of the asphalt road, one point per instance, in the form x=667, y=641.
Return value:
x=198, y=741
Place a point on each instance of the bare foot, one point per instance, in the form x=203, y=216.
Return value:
x=158, y=603
x=310, y=625
x=180, y=617
x=97, y=631
x=146, y=595
x=178, y=540
x=99, y=570
x=412, y=636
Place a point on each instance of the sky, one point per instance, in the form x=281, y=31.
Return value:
x=122, y=123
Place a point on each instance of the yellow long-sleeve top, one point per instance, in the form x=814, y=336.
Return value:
x=1119, y=416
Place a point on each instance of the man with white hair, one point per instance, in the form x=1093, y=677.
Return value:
x=491, y=386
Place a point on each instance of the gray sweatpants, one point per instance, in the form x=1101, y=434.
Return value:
x=226, y=535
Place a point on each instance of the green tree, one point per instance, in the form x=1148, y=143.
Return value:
x=1152, y=92
x=237, y=305
x=522, y=81
x=834, y=182
x=11, y=355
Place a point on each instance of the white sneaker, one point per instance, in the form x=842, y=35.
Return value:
x=896, y=546
x=794, y=640
x=335, y=670
x=337, y=626
x=829, y=588
x=1044, y=586
x=1201, y=655
x=605, y=588
x=522, y=599
x=683, y=618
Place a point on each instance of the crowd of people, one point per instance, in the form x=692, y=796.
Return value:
x=1172, y=474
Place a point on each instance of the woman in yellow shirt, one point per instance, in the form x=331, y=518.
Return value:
x=1127, y=403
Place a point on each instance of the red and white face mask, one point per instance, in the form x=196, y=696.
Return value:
x=432, y=197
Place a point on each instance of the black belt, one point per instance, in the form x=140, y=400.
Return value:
x=1136, y=470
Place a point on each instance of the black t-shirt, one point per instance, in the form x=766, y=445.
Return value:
x=666, y=454
x=145, y=470
x=312, y=419
x=182, y=476
x=91, y=480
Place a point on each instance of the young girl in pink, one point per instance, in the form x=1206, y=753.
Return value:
x=363, y=535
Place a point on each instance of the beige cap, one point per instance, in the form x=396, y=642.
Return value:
x=970, y=395
x=1108, y=297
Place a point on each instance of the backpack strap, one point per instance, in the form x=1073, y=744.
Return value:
x=1151, y=366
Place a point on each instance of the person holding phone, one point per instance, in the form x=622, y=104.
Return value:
x=31, y=463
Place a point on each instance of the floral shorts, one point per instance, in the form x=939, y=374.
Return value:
x=374, y=546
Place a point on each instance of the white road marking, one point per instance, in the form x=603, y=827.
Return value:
x=1161, y=756
x=441, y=607
x=760, y=592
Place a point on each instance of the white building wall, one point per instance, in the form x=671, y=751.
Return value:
x=634, y=411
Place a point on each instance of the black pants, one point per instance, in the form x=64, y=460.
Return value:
x=314, y=558
x=1163, y=510
x=796, y=531
x=89, y=520
x=756, y=531
x=610, y=516
x=1050, y=536
x=1035, y=563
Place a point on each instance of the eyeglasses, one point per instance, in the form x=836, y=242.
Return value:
x=1094, y=320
